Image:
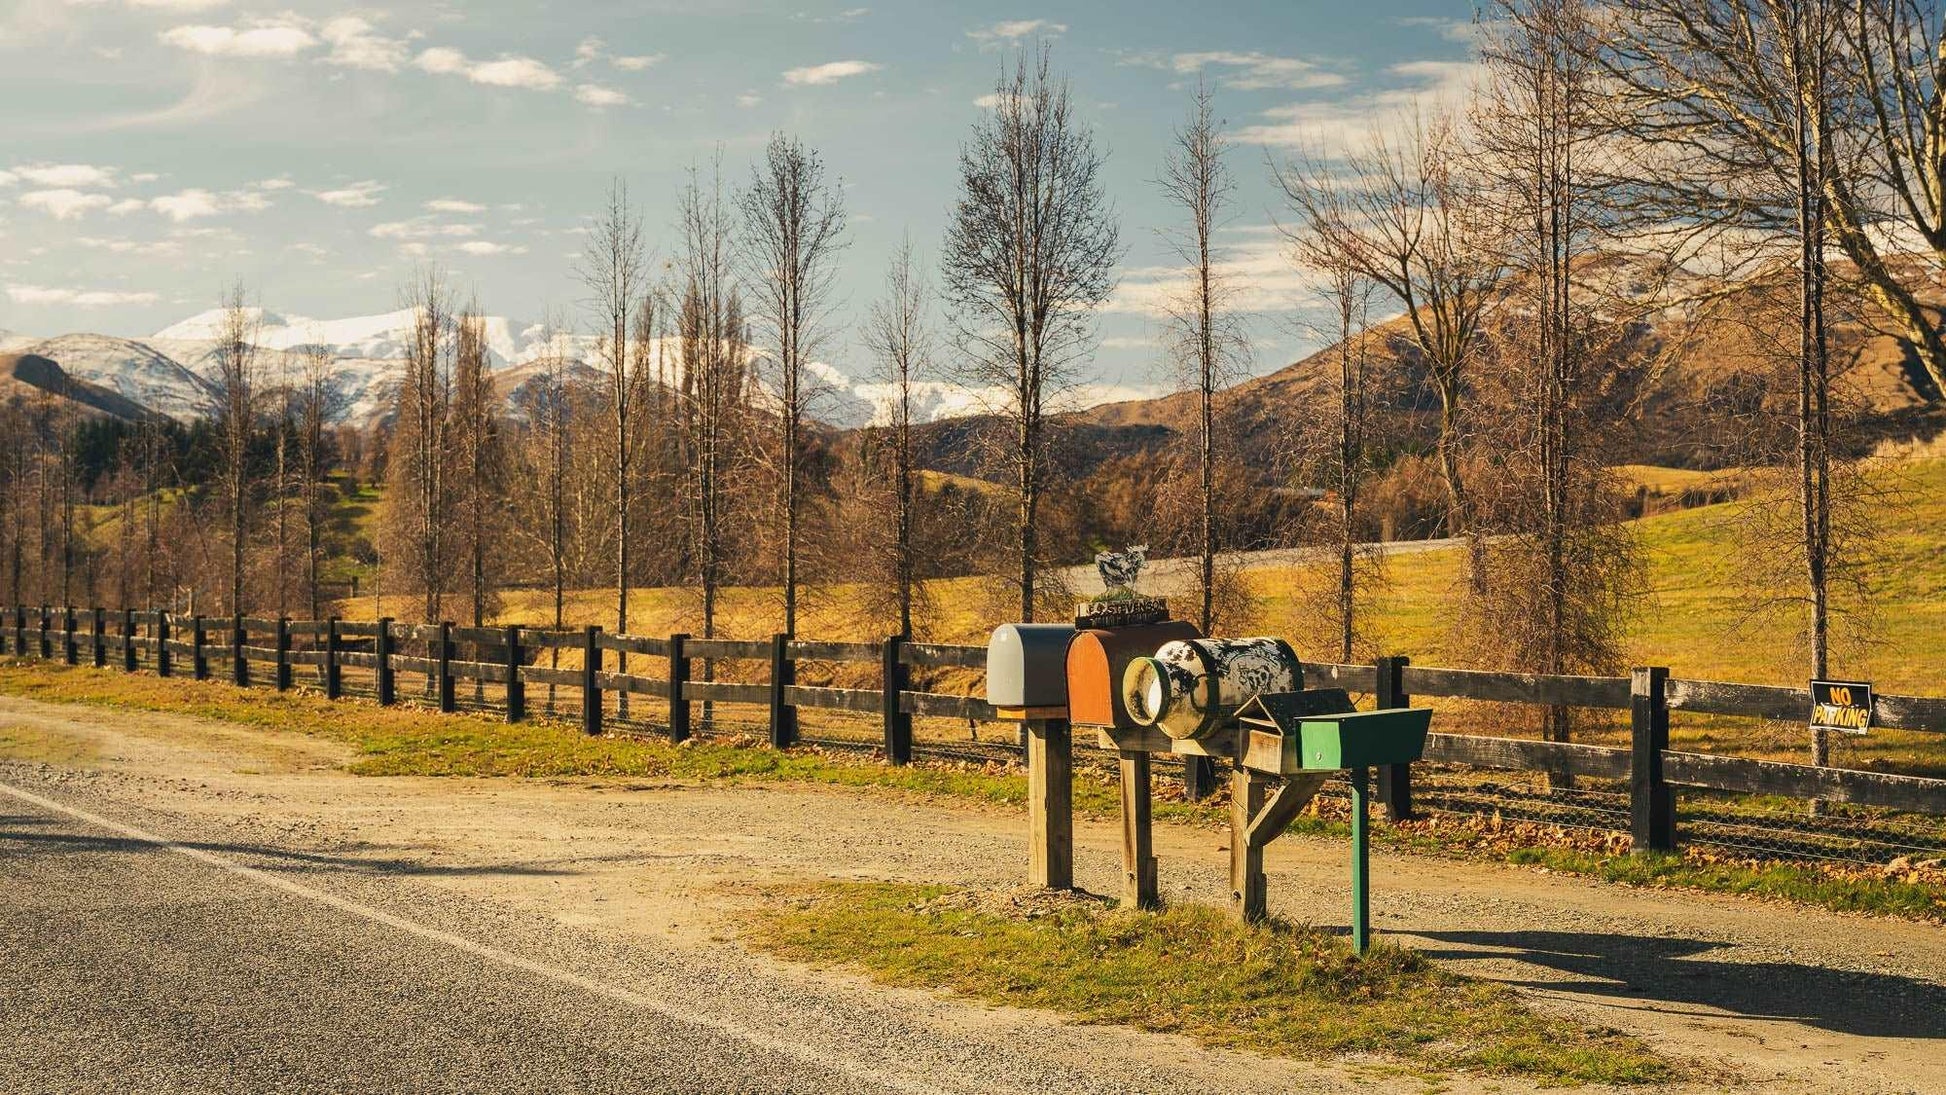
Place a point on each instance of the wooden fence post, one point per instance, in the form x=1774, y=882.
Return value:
x=591, y=681
x=1050, y=804
x=1198, y=778
x=164, y=657
x=783, y=674
x=69, y=653
x=198, y=659
x=678, y=678
x=98, y=635
x=516, y=688
x=444, y=662
x=239, y=665
x=333, y=671
x=20, y=630
x=128, y=640
x=1652, y=802
x=898, y=724
x=388, y=689
x=1394, y=780
x=283, y=677
x=47, y=634
x=1140, y=882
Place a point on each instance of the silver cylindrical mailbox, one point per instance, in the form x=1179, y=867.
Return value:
x=1191, y=687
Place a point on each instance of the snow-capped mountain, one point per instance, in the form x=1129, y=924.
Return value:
x=386, y=336
x=134, y=370
x=173, y=371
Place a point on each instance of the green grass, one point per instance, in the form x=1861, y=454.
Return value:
x=1273, y=988
x=1860, y=891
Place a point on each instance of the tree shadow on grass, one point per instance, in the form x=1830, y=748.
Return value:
x=1674, y=970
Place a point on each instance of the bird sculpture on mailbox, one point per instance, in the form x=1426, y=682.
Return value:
x=1118, y=569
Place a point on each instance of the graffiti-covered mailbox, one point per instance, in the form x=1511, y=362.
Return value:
x=1192, y=688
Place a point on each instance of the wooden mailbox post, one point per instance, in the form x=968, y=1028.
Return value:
x=1027, y=683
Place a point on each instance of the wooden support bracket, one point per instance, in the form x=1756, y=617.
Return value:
x=1257, y=817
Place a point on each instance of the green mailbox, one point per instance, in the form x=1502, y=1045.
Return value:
x=1318, y=731
x=1302, y=735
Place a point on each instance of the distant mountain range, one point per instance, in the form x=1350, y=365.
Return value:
x=171, y=371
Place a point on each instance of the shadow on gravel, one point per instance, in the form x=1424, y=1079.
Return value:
x=1668, y=971
x=279, y=858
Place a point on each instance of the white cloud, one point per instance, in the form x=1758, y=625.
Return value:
x=454, y=205
x=1013, y=30
x=829, y=73
x=83, y=298
x=182, y=6
x=515, y=72
x=64, y=204
x=356, y=43
x=1256, y=271
x=358, y=195
x=8, y=178
x=127, y=206
x=596, y=96
x=1255, y=71
x=484, y=247
x=508, y=71
x=749, y=99
x=272, y=38
x=124, y=246
x=188, y=205
x=421, y=228
x=593, y=49
x=63, y=175
x=1344, y=123
x=442, y=61
x=279, y=183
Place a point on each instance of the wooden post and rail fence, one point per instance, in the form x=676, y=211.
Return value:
x=665, y=668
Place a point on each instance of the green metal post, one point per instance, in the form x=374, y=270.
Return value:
x=1361, y=893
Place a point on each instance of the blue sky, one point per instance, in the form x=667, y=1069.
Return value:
x=152, y=151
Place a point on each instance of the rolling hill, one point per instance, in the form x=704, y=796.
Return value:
x=28, y=377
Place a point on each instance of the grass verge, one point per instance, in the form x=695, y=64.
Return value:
x=409, y=740
x=1273, y=988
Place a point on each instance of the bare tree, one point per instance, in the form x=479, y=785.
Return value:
x=320, y=403
x=1810, y=122
x=1714, y=89
x=1567, y=564
x=709, y=328
x=793, y=231
x=1207, y=342
x=418, y=502
x=1030, y=255
x=547, y=409
x=234, y=415
x=478, y=473
x=901, y=341
x=614, y=269
x=1406, y=213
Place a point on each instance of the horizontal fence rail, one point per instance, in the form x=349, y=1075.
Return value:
x=678, y=673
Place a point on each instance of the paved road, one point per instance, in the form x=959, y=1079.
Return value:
x=137, y=965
